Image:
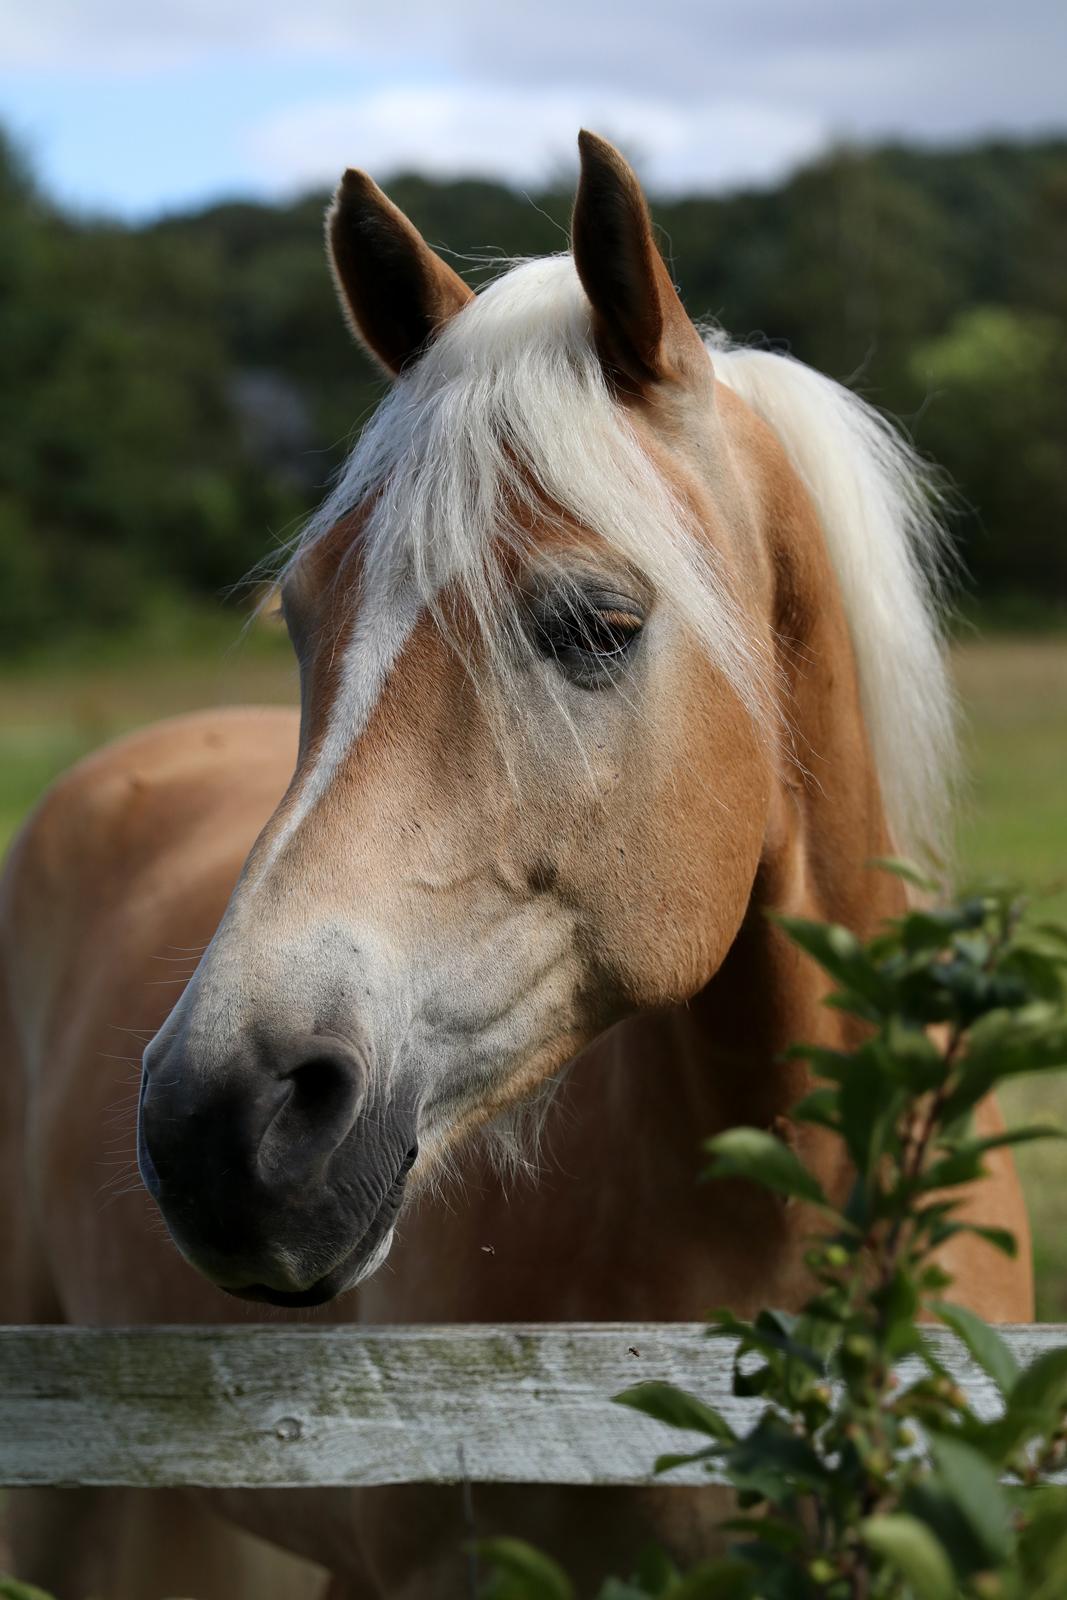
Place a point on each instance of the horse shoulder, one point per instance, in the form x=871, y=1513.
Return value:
x=116, y=843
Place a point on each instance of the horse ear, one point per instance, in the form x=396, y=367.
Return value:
x=395, y=291
x=641, y=327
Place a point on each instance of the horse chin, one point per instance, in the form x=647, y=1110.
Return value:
x=359, y=1264
x=272, y=1241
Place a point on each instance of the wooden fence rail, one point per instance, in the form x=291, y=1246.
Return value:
x=288, y=1406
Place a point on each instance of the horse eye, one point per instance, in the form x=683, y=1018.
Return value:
x=587, y=640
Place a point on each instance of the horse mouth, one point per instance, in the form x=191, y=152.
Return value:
x=364, y=1256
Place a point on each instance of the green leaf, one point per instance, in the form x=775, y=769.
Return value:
x=840, y=954
x=1043, y=1543
x=767, y=1529
x=519, y=1572
x=834, y=1065
x=655, y=1571
x=963, y=1165
x=821, y=1106
x=749, y=1382
x=774, y=1461
x=668, y=1462
x=907, y=870
x=1006, y=1046
x=730, y=1578
x=1001, y=1239
x=1052, y=1579
x=909, y=1547
x=676, y=1408
x=912, y=1057
x=761, y=1158
x=983, y=1342
x=1042, y=1386
x=898, y=1303
x=1042, y=973
x=972, y=1486
x=615, y=1589
x=871, y=1105
x=933, y=1278
x=1027, y=1135
x=934, y=1506
x=772, y=1334
x=924, y=932
x=12, y=1589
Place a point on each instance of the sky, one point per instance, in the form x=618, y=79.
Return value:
x=137, y=107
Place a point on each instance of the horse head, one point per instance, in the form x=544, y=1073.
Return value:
x=548, y=740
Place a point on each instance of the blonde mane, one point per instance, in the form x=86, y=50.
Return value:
x=877, y=503
x=510, y=408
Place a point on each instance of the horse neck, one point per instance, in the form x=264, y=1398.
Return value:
x=637, y=1110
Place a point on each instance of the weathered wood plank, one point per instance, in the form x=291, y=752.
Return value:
x=285, y=1407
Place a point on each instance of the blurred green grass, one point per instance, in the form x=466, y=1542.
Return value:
x=1014, y=825
x=1014, y=818
x=1014, y=814
x=52, y=713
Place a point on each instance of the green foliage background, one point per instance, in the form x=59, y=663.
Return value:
x=173, y=397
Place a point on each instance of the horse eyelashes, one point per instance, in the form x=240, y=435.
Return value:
x=587, y=641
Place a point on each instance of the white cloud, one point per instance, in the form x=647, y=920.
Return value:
x=525, y=135
x=706, y=93
x=919, y=65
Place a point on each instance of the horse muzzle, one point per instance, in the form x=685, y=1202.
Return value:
x=280, y=1174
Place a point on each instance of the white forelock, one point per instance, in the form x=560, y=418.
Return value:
x=507, y=414
x=509, y=410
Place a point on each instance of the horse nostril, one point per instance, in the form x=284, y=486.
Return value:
x=323, y=1093
x=324, y=1085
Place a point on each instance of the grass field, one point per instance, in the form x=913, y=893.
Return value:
x=1014, y=818
x=1014, y=693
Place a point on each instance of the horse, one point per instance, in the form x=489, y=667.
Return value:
x=613, y=638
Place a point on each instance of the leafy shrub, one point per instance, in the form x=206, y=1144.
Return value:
x=851, y=1485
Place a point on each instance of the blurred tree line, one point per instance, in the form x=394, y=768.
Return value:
x=175, y=396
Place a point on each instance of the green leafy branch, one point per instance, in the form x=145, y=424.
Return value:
x=851, y=1485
